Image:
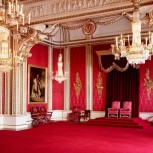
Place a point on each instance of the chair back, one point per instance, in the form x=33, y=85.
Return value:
x=34, y=110
x=127, y=105
x=116, y=104
x=87, y=113
x=43, y=110
x=76, y=109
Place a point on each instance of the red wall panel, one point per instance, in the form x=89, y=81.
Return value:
x=39, y=58
x=58, y=88
x=39, y=55
x=98, y=102
x=145, y=104
x=77, y=65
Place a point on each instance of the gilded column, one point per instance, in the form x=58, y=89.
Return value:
x=67, y=82
x=23, y=97
x=16, y=85
x=1, y=91
x=8, y=91
x=50, y=70
x=89, y=72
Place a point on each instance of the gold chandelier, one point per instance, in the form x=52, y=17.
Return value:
x=12, y=23
x=137, y=52
x=60, y=76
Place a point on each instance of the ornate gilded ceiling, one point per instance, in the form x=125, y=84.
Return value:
x=84, y=21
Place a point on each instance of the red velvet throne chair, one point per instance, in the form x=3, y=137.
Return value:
x=74, y=115
x=126, y=111
x=114, y=110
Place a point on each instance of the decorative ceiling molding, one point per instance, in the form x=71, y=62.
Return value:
x=46, y=11
x=49, y=11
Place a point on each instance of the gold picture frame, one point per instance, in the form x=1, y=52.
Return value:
x=37, y=84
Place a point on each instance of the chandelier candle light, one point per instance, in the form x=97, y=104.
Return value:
x=137, y=52
x=60, y=76
x=12, y=18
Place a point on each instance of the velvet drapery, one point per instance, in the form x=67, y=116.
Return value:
x=123, y=86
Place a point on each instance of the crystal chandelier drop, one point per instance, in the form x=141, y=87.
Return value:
x=60, y=76
x=12, y=23
x=137, y=52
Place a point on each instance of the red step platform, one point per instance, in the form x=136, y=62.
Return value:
x=117, y=122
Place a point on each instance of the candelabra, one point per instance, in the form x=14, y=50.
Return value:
x=137, y=52
x=12, y=25
x=60, y=75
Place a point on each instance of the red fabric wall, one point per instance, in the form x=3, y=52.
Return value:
x=145, y=104
x=58, y=88
x=77, y=65
x=39, y=58
x=98, y=102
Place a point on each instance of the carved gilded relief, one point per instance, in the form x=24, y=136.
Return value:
x=151, y=18
x=89, y=27
x=99, y=85
x=63, y=6
x=148, y=82
x=77, y=85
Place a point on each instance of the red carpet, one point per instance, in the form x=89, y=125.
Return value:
x=117, y=122
x=68, y=137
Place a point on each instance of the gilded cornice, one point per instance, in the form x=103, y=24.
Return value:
x=89, y=12
x=104, y=52
x=30, y=1
x=82, y=42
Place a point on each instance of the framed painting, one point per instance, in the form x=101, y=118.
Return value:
x=37, y=84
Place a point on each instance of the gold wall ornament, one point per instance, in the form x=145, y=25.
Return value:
x=148, y=82
x=89, y=27
x=77, y=85
x=99, y=84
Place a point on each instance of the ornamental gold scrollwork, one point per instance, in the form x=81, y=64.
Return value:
x=151, y=18
x=99, y=85
x=148, y=82
x=77, y=85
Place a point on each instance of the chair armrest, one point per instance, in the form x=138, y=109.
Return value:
x=125, y=109
x=49, y=112
x=112, y=109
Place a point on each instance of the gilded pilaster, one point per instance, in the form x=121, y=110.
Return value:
x=23, y=79
x=8, y=89
x=67, y=82
x=89, y=82
x=16, y=92
x=49, y=80
x=1, y=87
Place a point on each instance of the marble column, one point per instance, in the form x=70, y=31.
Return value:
x=50, y=75
x=67, y=82
x=89, y=82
